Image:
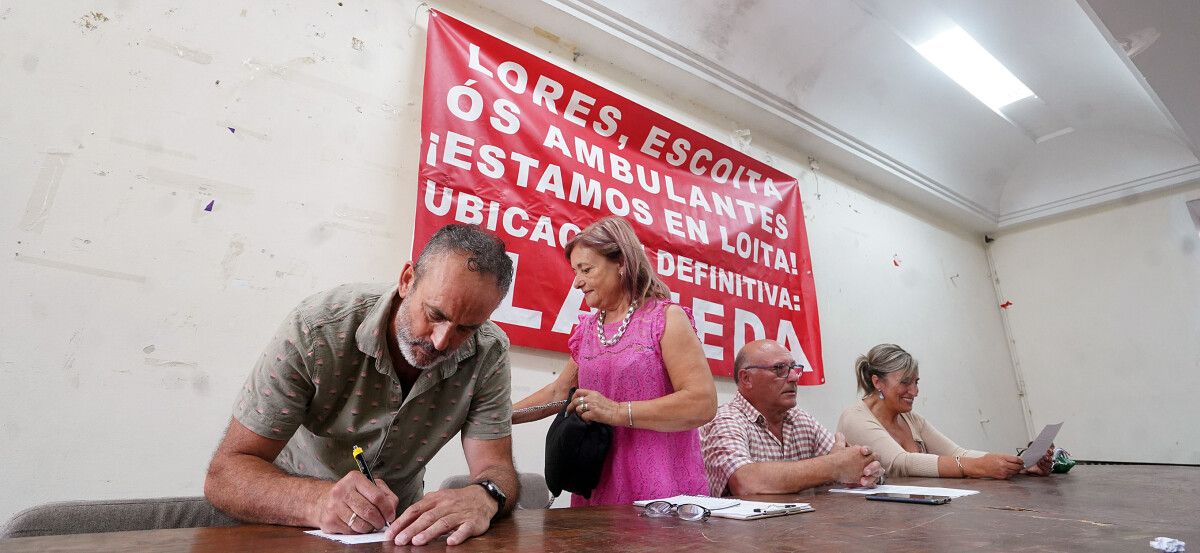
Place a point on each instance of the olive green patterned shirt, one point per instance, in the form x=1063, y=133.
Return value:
x=326, y=383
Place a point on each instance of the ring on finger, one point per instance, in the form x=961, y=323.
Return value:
x=353, y=518
x=582, y=400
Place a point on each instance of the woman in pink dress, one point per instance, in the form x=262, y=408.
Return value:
x=638, y=366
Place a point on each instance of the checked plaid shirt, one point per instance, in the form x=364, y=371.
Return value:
x=738, y=436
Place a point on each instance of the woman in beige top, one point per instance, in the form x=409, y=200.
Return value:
x=903, y=441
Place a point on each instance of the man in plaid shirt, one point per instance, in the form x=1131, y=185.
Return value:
x=761, y=443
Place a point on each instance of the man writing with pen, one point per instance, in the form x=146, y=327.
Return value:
x=398, y=368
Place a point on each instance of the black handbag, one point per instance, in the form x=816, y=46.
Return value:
x=575, y=452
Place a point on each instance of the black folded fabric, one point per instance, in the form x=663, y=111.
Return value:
x=575, y=452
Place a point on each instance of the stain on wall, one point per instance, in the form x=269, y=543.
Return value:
x=91, y=21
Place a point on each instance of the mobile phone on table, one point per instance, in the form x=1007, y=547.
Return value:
x=910, y=498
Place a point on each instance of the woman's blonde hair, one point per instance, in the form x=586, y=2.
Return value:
x=881, y=361
x=614, y=238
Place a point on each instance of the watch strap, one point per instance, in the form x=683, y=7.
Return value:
x=494, y=491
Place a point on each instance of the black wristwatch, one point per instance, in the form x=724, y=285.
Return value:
x=494, y=491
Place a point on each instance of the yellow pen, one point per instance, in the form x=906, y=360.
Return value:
x=361, y=459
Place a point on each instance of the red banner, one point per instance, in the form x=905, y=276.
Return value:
x=533, y=153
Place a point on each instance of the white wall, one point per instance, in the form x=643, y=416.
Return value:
x=1106, y=325
x=131, y=315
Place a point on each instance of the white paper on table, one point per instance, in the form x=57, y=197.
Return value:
x=710, y=503
x=1038, y=448
x=919, y=490
x=350, y=539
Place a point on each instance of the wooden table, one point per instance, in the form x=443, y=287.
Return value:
x=1094, y=508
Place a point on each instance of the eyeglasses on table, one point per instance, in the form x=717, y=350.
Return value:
x=685, y=511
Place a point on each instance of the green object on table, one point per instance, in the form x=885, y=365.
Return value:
x=1062, y=461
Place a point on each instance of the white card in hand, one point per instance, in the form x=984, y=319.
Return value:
x=1038, y=448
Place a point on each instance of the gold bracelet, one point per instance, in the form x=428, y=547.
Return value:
x=629, y=409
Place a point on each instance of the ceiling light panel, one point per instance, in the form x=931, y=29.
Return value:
x=961, y=58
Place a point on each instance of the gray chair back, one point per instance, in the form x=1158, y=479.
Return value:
x=119, y=515
x=534, y=492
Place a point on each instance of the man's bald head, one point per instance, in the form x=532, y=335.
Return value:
x=753, y=354
x=766, y=376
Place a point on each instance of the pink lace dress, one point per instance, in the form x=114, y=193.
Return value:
x=641, y=464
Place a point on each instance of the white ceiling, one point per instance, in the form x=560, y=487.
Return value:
x=838, y=78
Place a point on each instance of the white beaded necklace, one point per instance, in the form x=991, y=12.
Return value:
x=620, y=331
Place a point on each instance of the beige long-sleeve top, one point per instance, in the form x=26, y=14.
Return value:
x=860, y=427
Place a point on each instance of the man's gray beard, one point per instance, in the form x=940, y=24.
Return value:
x=408, y=350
